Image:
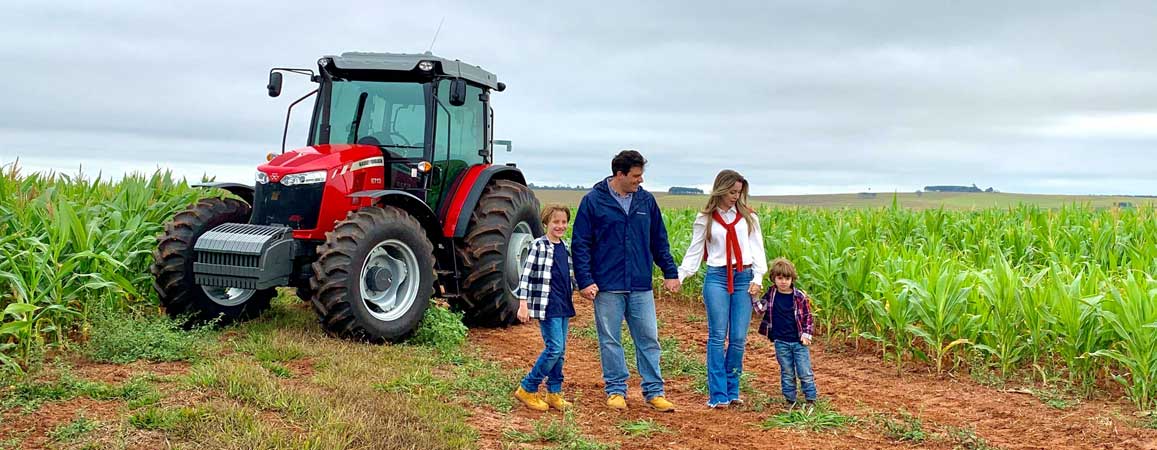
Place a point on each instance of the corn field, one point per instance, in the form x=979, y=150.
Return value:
x=1067, y=292
x=1024, y=290
x=70, y=244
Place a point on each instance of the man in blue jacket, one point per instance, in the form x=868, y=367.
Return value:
x=618, y=233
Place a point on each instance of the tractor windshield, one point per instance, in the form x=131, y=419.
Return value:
x=393, y=117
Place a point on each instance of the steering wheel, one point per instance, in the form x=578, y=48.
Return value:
x=400, y=138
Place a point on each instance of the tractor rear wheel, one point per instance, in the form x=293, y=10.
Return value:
x=502, y=227
x=173, y=267
x=374, y=276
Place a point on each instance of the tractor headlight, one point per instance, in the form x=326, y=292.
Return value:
x=317, y=176
x=260, y=177
x=426, y=66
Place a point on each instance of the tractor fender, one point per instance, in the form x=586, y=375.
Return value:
x=407, y=202
x=466, y=192
x=241, y=190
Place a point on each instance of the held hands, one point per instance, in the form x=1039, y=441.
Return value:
x=672, y=285
x=807, y=341
x=590, y=292
x=523, y=312
x=753, y=290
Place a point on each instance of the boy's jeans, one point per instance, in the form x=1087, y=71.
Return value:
x=549, y=364
x=728, y=317
x=638, y=308
x=795, y=362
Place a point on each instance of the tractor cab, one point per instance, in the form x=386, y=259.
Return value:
x=392, y=200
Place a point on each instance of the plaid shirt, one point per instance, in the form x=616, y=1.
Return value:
x=534, y=283
x=803, y=312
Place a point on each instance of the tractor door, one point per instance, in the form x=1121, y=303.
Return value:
x=460, y=138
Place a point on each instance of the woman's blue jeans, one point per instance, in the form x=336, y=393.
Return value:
x=728, y=317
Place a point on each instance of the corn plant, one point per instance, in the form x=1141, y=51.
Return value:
x=1132, y=314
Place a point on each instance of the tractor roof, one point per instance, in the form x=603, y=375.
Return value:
x=407, y=62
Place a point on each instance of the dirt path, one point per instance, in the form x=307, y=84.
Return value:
x=858, y=385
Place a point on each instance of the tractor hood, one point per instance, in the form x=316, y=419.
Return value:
x=321, y=157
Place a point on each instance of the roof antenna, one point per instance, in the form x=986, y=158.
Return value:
x=432, y=41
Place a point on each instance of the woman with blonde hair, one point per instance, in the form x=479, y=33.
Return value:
x=726, y=235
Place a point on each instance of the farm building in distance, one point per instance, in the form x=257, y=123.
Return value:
x=677, y=190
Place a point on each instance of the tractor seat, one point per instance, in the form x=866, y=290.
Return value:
x=370, y=140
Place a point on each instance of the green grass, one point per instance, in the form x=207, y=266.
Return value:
x=966, y=439
x=820, y=418
x=165, y=419
x=907, y=428
x=122, y=337
x=73, y=430
x=29, y=393
x=641, y=428
x=441, y=329
x=560, y=433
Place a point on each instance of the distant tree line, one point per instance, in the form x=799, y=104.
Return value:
x=560, y=187
x=947, y=188
x=679, y=190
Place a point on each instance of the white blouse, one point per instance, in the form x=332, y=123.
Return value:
x=751, y=244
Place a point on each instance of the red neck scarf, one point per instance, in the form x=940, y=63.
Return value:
x=733, y=264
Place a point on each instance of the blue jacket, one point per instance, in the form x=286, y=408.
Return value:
x=614, y=249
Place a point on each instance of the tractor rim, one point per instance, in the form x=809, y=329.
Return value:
x=228, y=296
x=389, y=280
x=517, y=250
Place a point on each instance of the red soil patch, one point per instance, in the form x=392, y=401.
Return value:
x=856, y=384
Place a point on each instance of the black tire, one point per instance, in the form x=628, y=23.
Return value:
x=488, y=291
x=344, y=262
x=173, y=267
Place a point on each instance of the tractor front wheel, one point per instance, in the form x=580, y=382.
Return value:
x=497, y=242
x=173, y=267
x=374, y=276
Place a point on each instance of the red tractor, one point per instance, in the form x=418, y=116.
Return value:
x=393, y=201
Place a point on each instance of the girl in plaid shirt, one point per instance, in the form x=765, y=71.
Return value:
x=544, y=291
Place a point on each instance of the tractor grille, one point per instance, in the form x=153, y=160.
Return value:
x=244, y=256
x=229, y=259
x=296, y=207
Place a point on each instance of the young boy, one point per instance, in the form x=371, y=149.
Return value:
x=544, y=291
x=788, y=323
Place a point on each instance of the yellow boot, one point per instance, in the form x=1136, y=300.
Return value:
x=617, y=401
x=531, y=399
x=555, y=401
x=661, y=404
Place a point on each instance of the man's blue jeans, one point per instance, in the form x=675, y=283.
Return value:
x=638, y=308
x=795, y=363
x=549, y=364
x=728, y=317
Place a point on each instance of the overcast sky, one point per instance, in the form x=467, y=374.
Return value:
x=801, y=97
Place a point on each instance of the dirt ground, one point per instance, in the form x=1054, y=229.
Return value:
x=857, y=384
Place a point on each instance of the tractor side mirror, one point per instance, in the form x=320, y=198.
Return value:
x=274, y=85
x=458, y=92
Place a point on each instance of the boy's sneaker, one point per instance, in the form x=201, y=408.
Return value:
x=737, y=402
x=556, y=401
x=530, y=399
x=661, y=404
x=617, y=401
x=720, y=405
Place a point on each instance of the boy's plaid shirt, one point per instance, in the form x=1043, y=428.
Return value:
x=803, y=312
x=534, y=283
